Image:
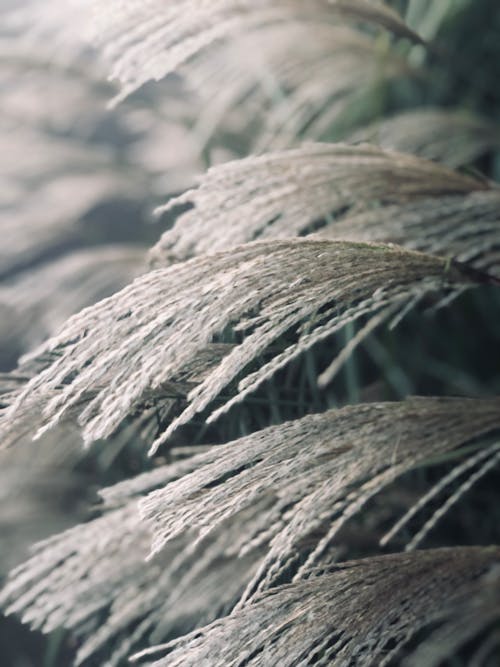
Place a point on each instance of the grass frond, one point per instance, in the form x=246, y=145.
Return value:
x=295, y=192
x=466, y=227
x=72, y=581
x=257, y=505
x=364, y=612
x=279, y=262
x=321, y=468
x=141, y=425
x=148, y=40
x=255, y=75
x=108, y=358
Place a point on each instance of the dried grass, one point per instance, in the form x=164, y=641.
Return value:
x=111, y=356
x=363, y=612
x=228, y=523
x=181, y=31
x=296, y=192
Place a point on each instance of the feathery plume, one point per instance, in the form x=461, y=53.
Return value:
x=294, y=192
x=318, y=470
x=111, y=356
x=466, y=227
x=225, y=515
x=364, y=611
x=72, y=581
x=148, y=40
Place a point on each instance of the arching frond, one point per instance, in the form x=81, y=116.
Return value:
x=256, y=73
x=231, y=556
x=464, y=226
x=114, y=354
x=364, y=611
x=316, y=470
x=148, y=40
x=232, y=514
x=140, y=425
x=291, y=193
